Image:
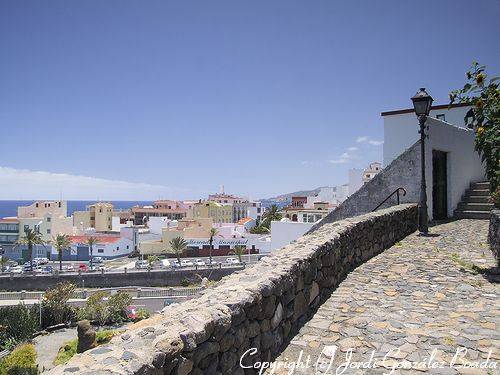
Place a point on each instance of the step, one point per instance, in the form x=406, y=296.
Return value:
x=473, y=214
x=480, y=185
x=482, y=192
x=474, y=206
x=476, y=199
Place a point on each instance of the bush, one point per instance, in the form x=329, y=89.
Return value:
x=185, y=282
x=141, y=314
x=17, y=324
x=55, y=305
x=22, y=361
x=118, y=307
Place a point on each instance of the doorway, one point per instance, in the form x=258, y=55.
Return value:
x=439, y=185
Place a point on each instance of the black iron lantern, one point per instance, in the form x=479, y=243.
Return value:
x=422, y=102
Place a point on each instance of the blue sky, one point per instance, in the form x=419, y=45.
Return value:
x=152, y=99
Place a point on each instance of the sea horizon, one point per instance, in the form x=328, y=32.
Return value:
x=8, y=208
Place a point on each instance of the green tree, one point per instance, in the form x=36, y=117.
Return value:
x=31, y=237
x=91, y=242
x=55, y=305
x=151, y=259
x=178, y=245
x=484, y=116
x=60, y=243
x=3, y=262
x=118, y=304
x=239, y=251
x=213, y=232
x=96, y=308
x=271, y=215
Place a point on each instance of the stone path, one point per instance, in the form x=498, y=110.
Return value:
x=410, y=309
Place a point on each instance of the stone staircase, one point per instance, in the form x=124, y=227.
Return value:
x=476, y=202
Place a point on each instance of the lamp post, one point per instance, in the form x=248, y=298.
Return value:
x=422, y=103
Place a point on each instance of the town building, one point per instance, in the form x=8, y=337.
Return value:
x=355, y=181
x=9, y=230
x=218, y=212
x=371, y=171
x=98, y=216
x=42, y=208
x=301, y=214
x=173, y=210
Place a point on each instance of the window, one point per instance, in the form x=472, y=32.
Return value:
x=441, y=117
x=26, y=227
x=49, y=219
x=100, y=251
x=48, y=231
x=117, y=248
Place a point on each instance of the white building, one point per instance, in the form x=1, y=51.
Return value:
x=371, y=171
x=355, y=181
x=285, y=231
x=451, y=161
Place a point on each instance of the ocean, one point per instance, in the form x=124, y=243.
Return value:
x=9, y=208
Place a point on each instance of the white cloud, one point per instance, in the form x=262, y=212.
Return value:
x=27, y=184
x=345, y=155
x=366, y=139
x=338, y=161
x=352, y=149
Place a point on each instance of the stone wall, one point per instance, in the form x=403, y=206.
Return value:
x=114, y=279
x=494, y=234
x=404, y=171
x=251, y=314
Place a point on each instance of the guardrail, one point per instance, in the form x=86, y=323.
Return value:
x=84, y=294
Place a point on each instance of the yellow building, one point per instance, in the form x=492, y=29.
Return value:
x=220, y=213
x=186, y=228
x=98, y=216
x=42, y=208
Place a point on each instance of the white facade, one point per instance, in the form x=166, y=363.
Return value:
x=325, y=194
x=400, y=129
x=355, y=181
x=285, y=232
x=463, y=164
x=157, y=223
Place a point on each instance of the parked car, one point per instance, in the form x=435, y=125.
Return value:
x=16, y=269
x=200, y=262
x=97, y=259
x=232, y=261
x=141, y=264
x=165, y=263
x=174, y=264
x=186, y=263
x=83, y=267
x=68, y=267
x=40, y=260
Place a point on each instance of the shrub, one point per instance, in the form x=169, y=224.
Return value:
x=185, y=282
x=22, y=361
x=96, y=308
x=17, y=324
x=55, y=305
x=118, y=307
x=141, y=313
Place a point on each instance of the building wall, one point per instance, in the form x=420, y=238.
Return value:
x=400, y=131
x=219, y=213
x=103, y=216
x=81, y=220
x=355, y=180
x=42, y=208
x=285, y=232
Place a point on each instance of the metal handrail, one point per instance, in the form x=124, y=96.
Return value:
x=390, y=195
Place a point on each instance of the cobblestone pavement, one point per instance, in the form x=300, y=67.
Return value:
x=409, y=310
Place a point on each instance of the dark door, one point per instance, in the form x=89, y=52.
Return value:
x=439, y=186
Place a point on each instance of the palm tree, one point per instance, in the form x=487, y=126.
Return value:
x=3, y=262
x=91, y=241
x=61, y=242
x=31, y=237
x=178, y=245
x=239, y=250
x=213, y=233
x=272, y=215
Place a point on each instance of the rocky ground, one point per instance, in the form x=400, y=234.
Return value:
x=410, y=310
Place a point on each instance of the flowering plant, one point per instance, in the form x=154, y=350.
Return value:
x=484, y=118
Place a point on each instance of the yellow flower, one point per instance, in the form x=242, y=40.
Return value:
x=480, y=130
x=480, y=78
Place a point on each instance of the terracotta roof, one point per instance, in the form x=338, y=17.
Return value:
x=244, y=220
x=100, y=239
x=9, y=220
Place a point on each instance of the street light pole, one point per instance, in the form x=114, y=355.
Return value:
x=422, y=103
x=423, y=220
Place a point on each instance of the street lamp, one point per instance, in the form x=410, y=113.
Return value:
x=422, y=103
